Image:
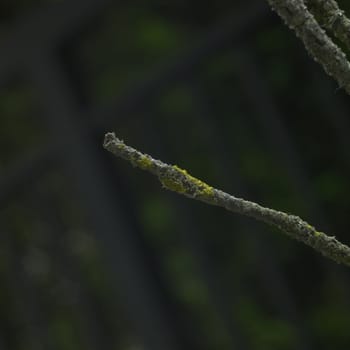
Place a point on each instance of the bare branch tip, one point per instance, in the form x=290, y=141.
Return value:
x=109, y=138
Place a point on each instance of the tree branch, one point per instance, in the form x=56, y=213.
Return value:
x=318, y=44
x=178, y=180
x=331, y=17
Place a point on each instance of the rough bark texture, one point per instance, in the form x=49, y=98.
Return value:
x=178, y=180
x=331, y=17
x=318, y=44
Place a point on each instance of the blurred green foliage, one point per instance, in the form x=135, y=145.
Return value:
x=20, y=128
x=206, y=122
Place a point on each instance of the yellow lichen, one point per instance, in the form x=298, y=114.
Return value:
x=144, y=162
x=141, y=161
x=172, y=184
x=180, y=181
x=121, y=145
x=313, y=230
x=201, y=187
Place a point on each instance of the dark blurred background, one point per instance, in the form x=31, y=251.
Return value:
x=94, y=254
